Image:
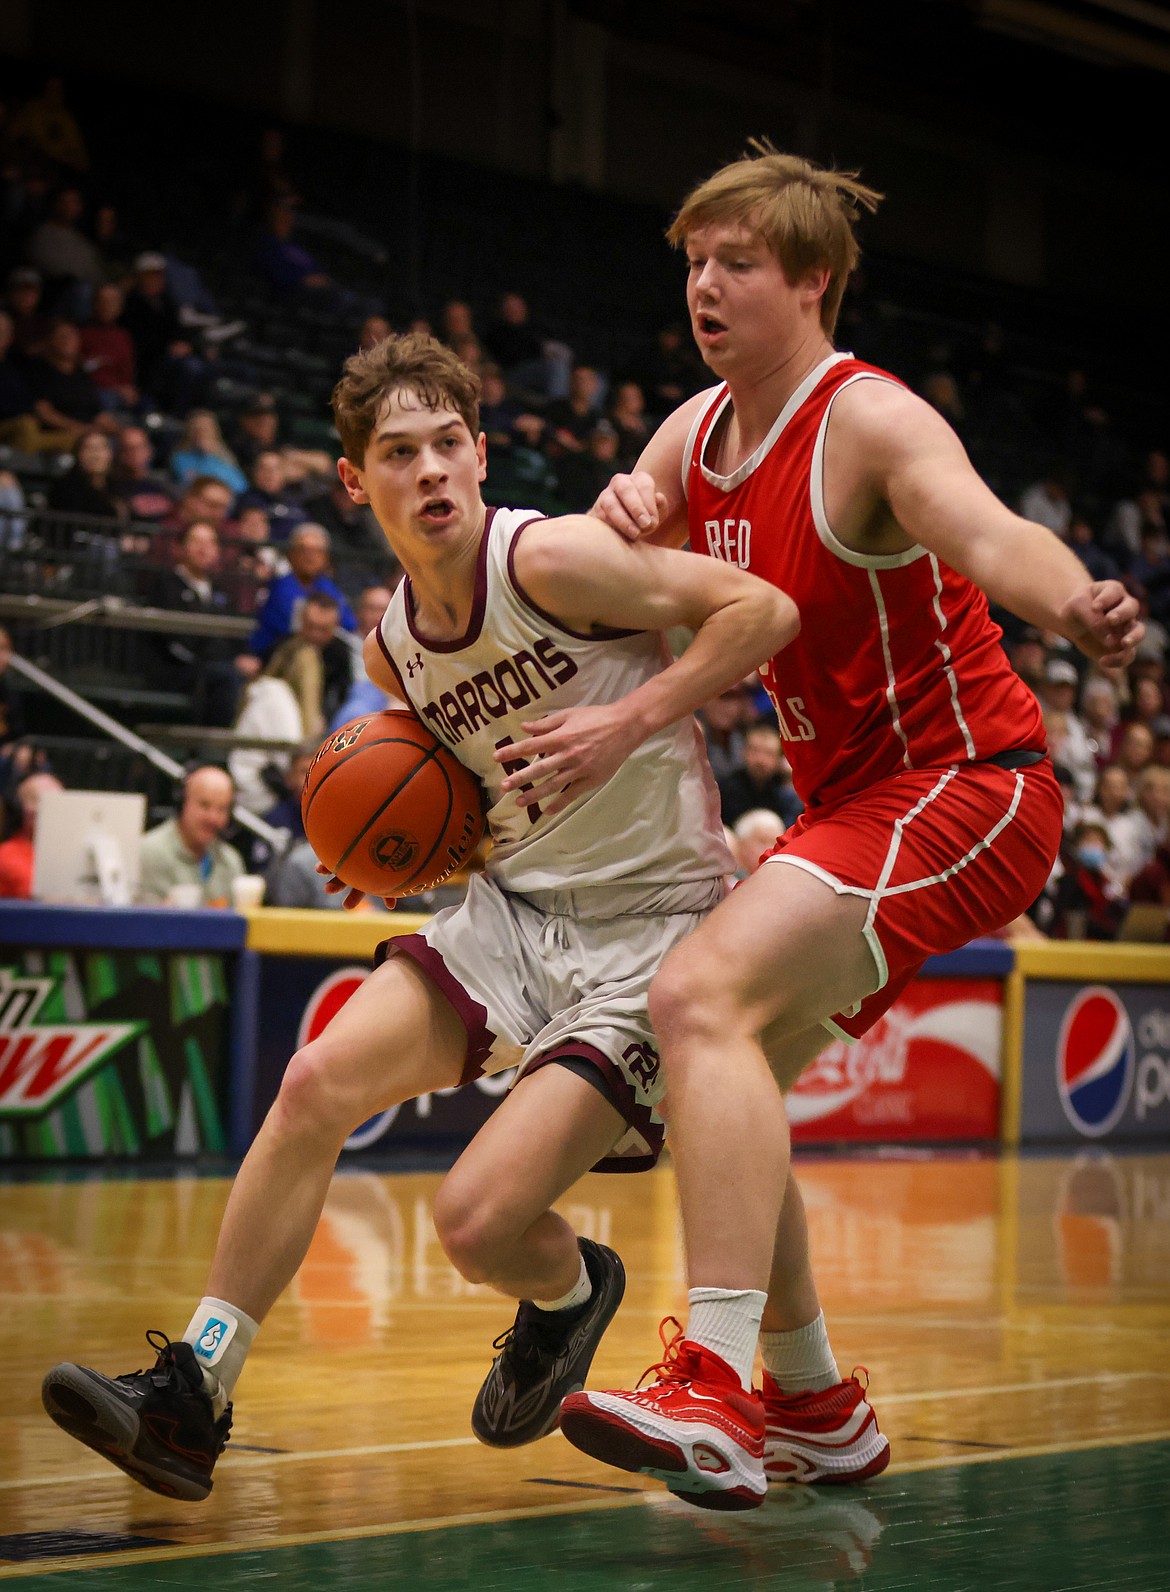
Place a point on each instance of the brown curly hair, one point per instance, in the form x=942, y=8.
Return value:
x=437, y=377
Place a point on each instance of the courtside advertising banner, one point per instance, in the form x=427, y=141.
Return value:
x=929, y=1069
x=1096, y=1062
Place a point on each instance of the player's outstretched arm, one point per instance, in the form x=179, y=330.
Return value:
x=650, y=502
x=577, y=570
x=909, y=456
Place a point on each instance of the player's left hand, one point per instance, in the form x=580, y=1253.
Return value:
x=354, y=898
x=1102, y=619
x=567, y=754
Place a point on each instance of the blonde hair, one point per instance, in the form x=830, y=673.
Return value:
x=219, y=447
x=804, y=213
x=421, y=364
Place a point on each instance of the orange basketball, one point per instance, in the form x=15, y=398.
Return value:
x=388, y=808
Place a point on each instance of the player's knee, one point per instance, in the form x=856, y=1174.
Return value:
x=310, y=1102
x=684, y=1002
x=470, y=1231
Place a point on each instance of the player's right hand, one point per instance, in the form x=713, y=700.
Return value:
x=354, y=898
x=631, y=505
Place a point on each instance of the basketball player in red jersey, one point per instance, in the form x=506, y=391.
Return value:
x=932, y=814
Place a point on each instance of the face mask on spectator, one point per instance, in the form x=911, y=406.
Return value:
x=1091, y=856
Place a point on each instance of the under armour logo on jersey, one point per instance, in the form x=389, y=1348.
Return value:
x=415, y=663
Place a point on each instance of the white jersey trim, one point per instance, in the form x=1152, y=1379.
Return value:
x=816, y=487
x=727, y=483
x=692, y=434
x=875, y=587
x=945, y=652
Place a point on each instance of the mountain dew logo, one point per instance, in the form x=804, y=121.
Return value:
x=40, y=1063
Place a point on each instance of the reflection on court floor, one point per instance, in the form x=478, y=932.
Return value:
x=1013, y=1315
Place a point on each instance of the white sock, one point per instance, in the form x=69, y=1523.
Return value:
x=728, y=1323
x=577, y=1295
x=221, y=1335
x=800, y=1361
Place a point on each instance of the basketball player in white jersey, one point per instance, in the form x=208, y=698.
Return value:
x=546, y=964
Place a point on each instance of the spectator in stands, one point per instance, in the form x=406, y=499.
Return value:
x=201, y=666
x=1150, y=567
x=48, y=124
x=249, y=564
x=316, y=662
x=763, y=780
x=107, y=350
x=22, y=300
x=1100, y=564
x=1087, y=902
x=572, y=419
x=1068, y=740
x=1135, y=748
x=754, y=834
x=65, y=400
x=363, y=695
x=455, y=321
x=308, y=557
x=269, y=491
x=1099, y=715
x=202, y=451
x=513, y=341
x=205, y=498
x=670, y=370
x=292, y=271
x=1028, y=655
x=87, y=488
x=13, y=520
x=167, y=364
x=1046, y=502
x=582, y=477
x=285, y=813
x=293, y=881
x=257, y=429
x=723, y=721
x=505, y=420
x=1152, y=883
x=629, y=416
x=373, y=330
x=189, y=850
x=144, y=494
x=17, y=422
x=59, y=249
x=1146, y=826
x=1112, y=797
x=16, y=852
x=270, y=711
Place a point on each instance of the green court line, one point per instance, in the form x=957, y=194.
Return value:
x=1093, y=1518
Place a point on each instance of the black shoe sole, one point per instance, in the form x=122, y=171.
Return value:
x=84, y=1408
x=609, y=1299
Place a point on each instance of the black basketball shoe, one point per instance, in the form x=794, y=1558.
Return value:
x=158, y=1426
x=544, y=1356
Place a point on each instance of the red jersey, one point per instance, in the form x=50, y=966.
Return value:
x=898, y=664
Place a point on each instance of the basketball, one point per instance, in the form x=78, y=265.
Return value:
x=388, y=808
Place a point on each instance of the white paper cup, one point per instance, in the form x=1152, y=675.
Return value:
x=185, y=897
x=247, y=891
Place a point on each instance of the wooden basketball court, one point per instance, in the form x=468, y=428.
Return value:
x=1014, y=1315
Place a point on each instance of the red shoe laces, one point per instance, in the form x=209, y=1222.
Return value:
x=671, y=1366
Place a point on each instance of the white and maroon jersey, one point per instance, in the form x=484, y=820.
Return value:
x=656, y=822
x=898, y=664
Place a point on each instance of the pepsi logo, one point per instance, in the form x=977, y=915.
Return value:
x=1095, y=1061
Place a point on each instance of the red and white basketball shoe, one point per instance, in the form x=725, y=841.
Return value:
x=830, y=1436
x=694, y=1427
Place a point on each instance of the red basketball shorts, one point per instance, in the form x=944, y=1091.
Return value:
x=942, y=855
